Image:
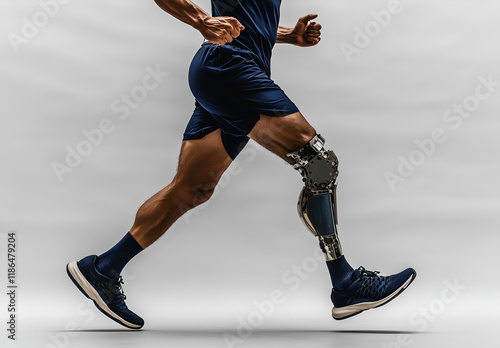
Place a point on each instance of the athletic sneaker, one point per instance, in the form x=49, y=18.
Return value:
x=107, y=293
x=368, y=290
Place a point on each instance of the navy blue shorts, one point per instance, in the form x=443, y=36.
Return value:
x=231, y=91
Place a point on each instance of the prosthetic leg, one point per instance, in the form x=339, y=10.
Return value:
x=317, y=200
x=354, y=291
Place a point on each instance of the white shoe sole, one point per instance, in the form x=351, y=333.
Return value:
x=92, y=294
x=349, y=311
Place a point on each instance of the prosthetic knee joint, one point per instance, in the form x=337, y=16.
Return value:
x=317, y=200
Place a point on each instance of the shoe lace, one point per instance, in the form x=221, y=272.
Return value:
x=365, y=272
x=117, y=295
x=373, y=285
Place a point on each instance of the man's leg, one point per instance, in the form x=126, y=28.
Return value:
x=201, y=164
x=283, y=135
x=294, y=140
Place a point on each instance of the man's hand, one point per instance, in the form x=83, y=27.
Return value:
x=221, y=30
x=304, y=34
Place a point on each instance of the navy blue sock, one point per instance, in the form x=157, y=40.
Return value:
x=340, y=272
x=111, y=263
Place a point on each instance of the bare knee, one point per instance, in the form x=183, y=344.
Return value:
x=305, y=135
x=201, y=194
x=302, y=132
x=191, y=195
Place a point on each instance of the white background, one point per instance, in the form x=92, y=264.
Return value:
x=207, y=271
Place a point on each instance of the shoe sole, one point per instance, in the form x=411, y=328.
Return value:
x=349, y=311
x=89, y=291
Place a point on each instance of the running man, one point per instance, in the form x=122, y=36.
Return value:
x=236, y=100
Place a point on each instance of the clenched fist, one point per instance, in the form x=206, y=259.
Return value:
x=221, y=30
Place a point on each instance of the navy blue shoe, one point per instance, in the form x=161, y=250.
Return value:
x=369, y=290
x=107, y=293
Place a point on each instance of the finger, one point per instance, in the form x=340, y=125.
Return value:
x=313, y=32
x=315, y=26
x=228, y=38
x=309, y=38
x=218, y=41
x=312, y=35
x=313, y=40
x=236, y=24
x=234, y=32
x=307, y=18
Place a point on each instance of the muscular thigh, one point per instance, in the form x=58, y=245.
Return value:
x=202, y=161
x=282, y=135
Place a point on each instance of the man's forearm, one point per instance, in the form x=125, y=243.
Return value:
x=185, y=11
x=283, y=35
